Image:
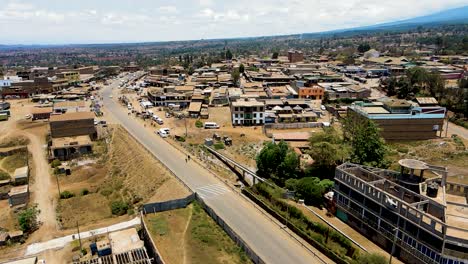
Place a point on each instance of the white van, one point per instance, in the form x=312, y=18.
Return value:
x=210, y=125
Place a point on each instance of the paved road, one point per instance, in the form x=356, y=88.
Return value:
x=455, y=129
x=265, y=237
x=60, y=242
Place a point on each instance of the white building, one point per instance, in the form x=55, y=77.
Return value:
x=248, y=112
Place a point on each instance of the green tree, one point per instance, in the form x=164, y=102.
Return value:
x=242, y=68
x=311, y=189
x=229, y=54
x=367, y=145
x=363, y=47
x=327, y=149
x=119, y=207
x=27, y=219
x=275, y=55
x=288, y=168
x=349, y=60
x=273, y=156
x=235, y=75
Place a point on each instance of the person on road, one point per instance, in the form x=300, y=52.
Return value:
x=188, y=157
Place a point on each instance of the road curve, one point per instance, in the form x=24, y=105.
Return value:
x=267, y=239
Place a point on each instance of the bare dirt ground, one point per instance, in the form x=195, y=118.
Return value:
x=41, y=186
x=119, y=172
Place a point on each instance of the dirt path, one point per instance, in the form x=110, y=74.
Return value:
x=43, y=190
x=184, y=235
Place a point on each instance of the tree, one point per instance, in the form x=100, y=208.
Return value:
x=119, y=207
x=327, y=149
x=27, y=219
x=367, y=146
x=242, y=68
x=277, y=162
x=275, y=55
x=363, y=47
x=235, y=75
x=311, y=189
x=229, y=55
x=349, y=60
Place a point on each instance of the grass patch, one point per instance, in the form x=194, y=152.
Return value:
x=15, y=161
x=84, y=209
x=209, y=243
x=14, y=142
x=158, y=226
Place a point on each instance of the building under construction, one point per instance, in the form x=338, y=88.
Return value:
x=414, y=213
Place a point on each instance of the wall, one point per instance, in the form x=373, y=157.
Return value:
x=168, y=205
x=231, y=233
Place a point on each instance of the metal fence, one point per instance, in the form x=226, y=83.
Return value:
x=149, y=243
x=231, y=233
x=293, y=125
x=168, y=205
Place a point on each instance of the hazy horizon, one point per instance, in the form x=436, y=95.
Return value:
x=54, y=22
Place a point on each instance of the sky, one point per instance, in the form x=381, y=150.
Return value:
x=115, y=21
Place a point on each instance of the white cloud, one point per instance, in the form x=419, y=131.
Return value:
x=122, y=20
x=168, y=9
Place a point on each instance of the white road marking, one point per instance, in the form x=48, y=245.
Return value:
x=211, y=191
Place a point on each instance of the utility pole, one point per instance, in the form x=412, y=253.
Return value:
x=79, y=237
x=58, y=184
x=185, y=120
x=393, y=245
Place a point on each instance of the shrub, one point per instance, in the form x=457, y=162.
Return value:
x=199, y=124
x=218, y=145
x=180, y=138
x=4, y=176
x=55, y=163
x=119, y=207
x=84, y=192
x=131, y=212
x=27, y=219
x=66, y=195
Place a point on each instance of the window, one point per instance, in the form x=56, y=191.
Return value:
x=261, y=115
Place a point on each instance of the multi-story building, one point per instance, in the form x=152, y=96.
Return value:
x=170, y=96
x=70, y=76
x=314, y=92
x=295, y=56
x=415, y=213
x=248, y=112
x=399, y=119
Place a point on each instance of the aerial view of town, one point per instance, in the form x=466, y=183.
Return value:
x=208, y=131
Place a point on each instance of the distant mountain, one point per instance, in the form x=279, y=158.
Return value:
x=451, y=16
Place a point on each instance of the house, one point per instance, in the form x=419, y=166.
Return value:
x=400, y=119
x=248, y=112
x=295, y=56
x=278, y=92
x=18, y=195
x=66, y=148
x=39, y=113
x=21, y=175
x=194, y=109
x=69, y=106
x=297, y=117
x=315, y=92
x=73, y=124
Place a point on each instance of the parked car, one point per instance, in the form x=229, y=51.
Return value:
x=159, y=121
x=162, y=133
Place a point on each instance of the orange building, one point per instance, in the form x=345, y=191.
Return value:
x=314, y=92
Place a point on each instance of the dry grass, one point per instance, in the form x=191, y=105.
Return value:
x=123, y=170
x=14, y=141
x=15, y=161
